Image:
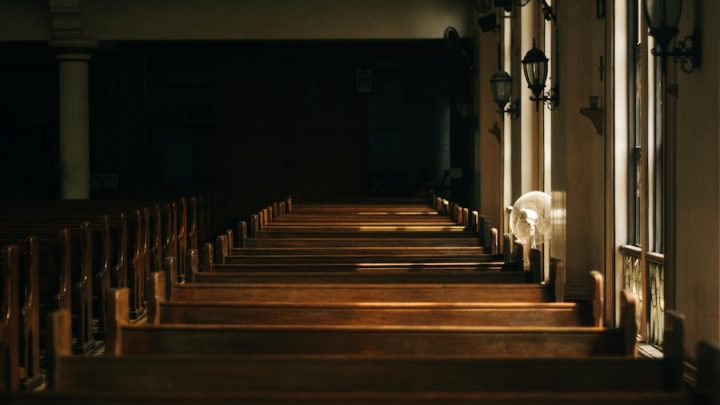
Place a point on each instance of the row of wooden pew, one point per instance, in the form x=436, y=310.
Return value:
x=363, y=303
x=69, y=253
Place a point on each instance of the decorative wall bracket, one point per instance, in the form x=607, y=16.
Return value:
x=594, y=114
x=495, y=130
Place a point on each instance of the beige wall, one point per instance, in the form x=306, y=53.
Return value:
x=578, y=158
x=24, y=20
x=698, y=183
x=490, y=148
x=243, y=20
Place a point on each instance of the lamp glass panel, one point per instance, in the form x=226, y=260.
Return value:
x=663, y=13
x=504, y=91
x=536, y=73
x=501, y=86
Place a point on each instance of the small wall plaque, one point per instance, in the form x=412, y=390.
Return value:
x=363, y=81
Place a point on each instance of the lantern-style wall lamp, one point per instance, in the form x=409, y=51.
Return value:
x=663, y=17
x=535, y=66
x=501, y=86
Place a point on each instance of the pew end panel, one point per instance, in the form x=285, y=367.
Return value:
x=62, y=300
x=628, y=320
x=494, y=246
x=154, y=216
x=136, y=273
x=59, y=344
x=536, y=266
x=230, y=235
x=9, y=323
x=119, y=278
x=254, y=225
x=203, y=231
x=673, y=351
x=223, y=249
x=182, y=236
x=193, y=231
x=482, y=224
x=507, y=248
x=558, y=278
x=242, y=233
x=208, y=259
x=29, y=317
x=158, y=290
x=708, y=373
x=101, y=278
x=82, y=295
x=192, y=264
x=170, y=276
x=118, y=316
x=598, y=298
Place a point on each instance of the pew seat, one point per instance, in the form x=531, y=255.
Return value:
x=365, y=292
x=122, y=397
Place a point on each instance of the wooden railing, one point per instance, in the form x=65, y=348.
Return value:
x=643, y=273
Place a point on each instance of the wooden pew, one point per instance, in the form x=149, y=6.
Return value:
x=401, y=257
x=342, y=373
x=366, y=292
x=406, y=314
x=402, y=276
x=363, y=287
x=311, y=242
x=532, y=398
x=384, y=251
x=86, y=250
x=109, y=257
x=379, y=335
x=9, y=339
x=29, y=316
x=356, y=269
x=164, y=311
x=355, y=219
x=369, y=221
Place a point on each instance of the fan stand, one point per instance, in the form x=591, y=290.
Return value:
x=530, y=244
x=526, y=255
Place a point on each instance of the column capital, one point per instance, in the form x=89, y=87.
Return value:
x=66, y=19
x=73, y=49
x=79, y=45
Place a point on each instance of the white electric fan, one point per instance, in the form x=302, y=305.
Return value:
x=530, y=221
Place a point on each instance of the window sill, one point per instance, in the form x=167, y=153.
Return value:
x=646, y=350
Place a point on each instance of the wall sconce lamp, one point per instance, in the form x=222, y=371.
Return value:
x=535, y=66
x=663, y=17
x=501, y=86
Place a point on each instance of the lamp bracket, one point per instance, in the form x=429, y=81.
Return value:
x=513, y=111
x=551, y=99
x=687, y=52
x=548, y=12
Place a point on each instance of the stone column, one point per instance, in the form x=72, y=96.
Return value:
x=529, y=117
x=74, y=125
